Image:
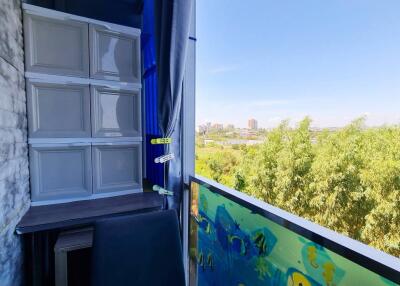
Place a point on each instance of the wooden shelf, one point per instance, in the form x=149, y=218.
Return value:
x=67, y=215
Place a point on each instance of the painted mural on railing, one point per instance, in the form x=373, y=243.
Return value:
x=231, y=245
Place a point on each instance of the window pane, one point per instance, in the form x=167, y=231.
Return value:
x=298, y=105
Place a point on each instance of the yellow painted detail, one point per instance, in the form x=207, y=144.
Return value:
x=161, y=141
x=312, y=256
x=262, y=268
x=297, y=279
x=329, y=272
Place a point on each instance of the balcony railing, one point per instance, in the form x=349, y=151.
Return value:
x=235, y=239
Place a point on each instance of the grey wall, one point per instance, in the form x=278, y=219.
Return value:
x=14, y=174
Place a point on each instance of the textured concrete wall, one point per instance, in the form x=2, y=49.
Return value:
x=14, y=174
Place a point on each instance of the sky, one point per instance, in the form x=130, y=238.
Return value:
x=332, y=60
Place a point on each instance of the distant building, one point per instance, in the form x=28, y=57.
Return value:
x=205, y=128
x=202, y=129
x=217, y=126
x=246, y=133
x=229, y=127
x=252, y=124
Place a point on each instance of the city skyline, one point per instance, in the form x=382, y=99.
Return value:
x=332, y=61
x=229, y=126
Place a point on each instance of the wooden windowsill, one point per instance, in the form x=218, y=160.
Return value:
x=81, y=213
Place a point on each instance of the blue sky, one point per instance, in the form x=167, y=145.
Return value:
x=333, y=60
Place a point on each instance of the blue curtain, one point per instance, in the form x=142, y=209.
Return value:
x=154, y=172
x=172, y=23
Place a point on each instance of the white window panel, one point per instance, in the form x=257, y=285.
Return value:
x=114, y=55
x=60, y=171
x=58, y=110
x=116, y=167
x=56, y=46
x=115, y=112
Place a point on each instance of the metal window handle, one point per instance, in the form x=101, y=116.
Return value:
x=164, y=158
x=162, y=191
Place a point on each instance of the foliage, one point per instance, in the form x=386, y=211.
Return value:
x=346, y=179
x=217, y=164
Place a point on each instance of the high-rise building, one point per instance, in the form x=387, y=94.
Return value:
x=229, y=127
x=252, y=124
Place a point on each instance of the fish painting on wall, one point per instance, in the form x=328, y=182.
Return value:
x=232, y=245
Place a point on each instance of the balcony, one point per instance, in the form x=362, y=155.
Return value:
x=99, y=155
x=235, y=239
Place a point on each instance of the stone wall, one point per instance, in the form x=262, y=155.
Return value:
x=14, y=174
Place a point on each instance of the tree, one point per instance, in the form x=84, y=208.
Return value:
x=338, y=199
x=293, y=166
x=347, y=179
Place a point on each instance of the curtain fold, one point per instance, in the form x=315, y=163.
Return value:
x=154, y=171
x=172, y=23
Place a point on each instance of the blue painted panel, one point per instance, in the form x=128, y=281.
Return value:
x=154, y=172
x=232, y=244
